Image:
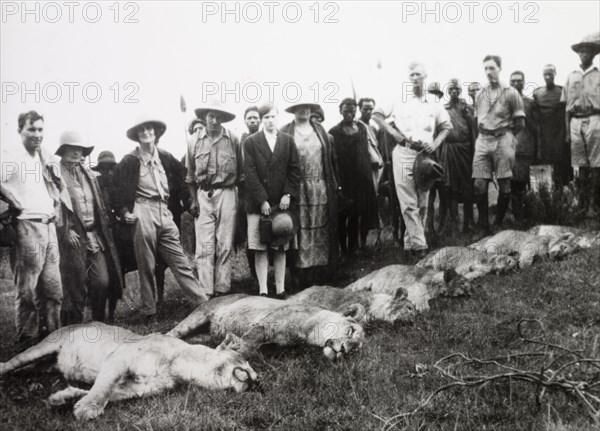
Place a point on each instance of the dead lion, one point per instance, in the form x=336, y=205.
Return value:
x=527, y=246
x=584, y=239
x=122, y=364
x=378, y=306
x=468, y=262
x=421, y=284
x=258, y=320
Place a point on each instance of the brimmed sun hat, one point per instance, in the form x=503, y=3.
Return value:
x=73, y=139
x=159, y=127
x=217, y=106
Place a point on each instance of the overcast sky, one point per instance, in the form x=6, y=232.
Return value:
x=192, y=48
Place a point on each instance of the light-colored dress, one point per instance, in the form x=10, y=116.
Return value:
x=312, y=240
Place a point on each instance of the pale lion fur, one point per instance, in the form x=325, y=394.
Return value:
x=378, y=306
x=259, y=320
x=584, y=239
x=421, y=284
x=527, y=246
x=468, y=262
x=122, y=364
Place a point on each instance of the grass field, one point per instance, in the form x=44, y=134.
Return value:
x=392, y=374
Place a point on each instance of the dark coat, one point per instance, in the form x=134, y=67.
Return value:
x=125, y=181
x=127, y=175
x=73, y=262
x=270, y=175
x=330, y=170
x=356, y=173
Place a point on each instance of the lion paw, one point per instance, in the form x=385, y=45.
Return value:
x=84, y=411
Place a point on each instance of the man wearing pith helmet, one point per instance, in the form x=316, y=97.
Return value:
x=87, y=249
x=144, y=180
x=214, y=171
x=582, y=96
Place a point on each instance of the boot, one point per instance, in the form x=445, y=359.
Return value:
x=501, y=207
x=483, y=222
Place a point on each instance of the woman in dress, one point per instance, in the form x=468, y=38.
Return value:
x=316, y=243
x=272, y=179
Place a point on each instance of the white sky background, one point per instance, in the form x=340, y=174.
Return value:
x=170, y=51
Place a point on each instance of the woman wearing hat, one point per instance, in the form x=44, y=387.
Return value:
x=88, y=254
x=317, y=241
x=272, y=187
x=145, y=179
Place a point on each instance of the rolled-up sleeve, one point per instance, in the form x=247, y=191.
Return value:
x=516, y=103
x=442, y=120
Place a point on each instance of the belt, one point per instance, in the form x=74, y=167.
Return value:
x=411, y=145
x=495, y=133
x=586, y=115
x=45, y=220
x=142, y=199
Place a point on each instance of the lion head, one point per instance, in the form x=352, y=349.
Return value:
x=501, y=263
x=452, y=285
x=393, y=309
x=342, y=333
x=235, y=372
x=561, y=246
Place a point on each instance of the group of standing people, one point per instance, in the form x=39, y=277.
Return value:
x=298, y=195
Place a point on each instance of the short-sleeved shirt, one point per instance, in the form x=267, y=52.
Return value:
x=419, y=119
x=215, y=162
x=22, y=181
x=496, y=108
x=153, y=177
x=581, y=92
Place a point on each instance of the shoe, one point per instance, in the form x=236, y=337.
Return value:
x=419, y=254
x=264, y=295
x=150, y=320
x=217, y=294
x=281, y=296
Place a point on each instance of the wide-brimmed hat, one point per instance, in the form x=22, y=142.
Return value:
x=313, y=106
x=106, y=159
x=284, y=225
x=217, y=106
x=426, y=171
x=159, y=127
x=434, y=88
x=590, y=41
x=73, y=139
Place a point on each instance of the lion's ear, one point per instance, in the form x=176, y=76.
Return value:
x=449, y=274
x=401, y=293
x=567, y=237
x=354, y=311
x=241, y=374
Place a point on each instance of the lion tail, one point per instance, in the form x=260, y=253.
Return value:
x=39, y=352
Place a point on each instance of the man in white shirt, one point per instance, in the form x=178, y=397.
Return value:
x=30, y=180
x=420, y=126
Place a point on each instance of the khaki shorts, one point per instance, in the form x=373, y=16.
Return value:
x=585, y=141
x=254, y=235
x=494, y=156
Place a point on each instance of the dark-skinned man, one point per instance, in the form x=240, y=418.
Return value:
x=500, y=115
x=526, y=150
x=354, y=163
x=550, y=113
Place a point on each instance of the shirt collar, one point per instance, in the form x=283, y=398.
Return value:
x=588, y=70
x=145, y=158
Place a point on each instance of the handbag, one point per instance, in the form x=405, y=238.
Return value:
x=265, y=229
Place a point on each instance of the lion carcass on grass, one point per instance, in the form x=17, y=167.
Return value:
x=421, y=284
x=584, y=239
x=259, y=320
x=122, y=365
x=527, y=246
x=378, y=306
x=468, y=262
